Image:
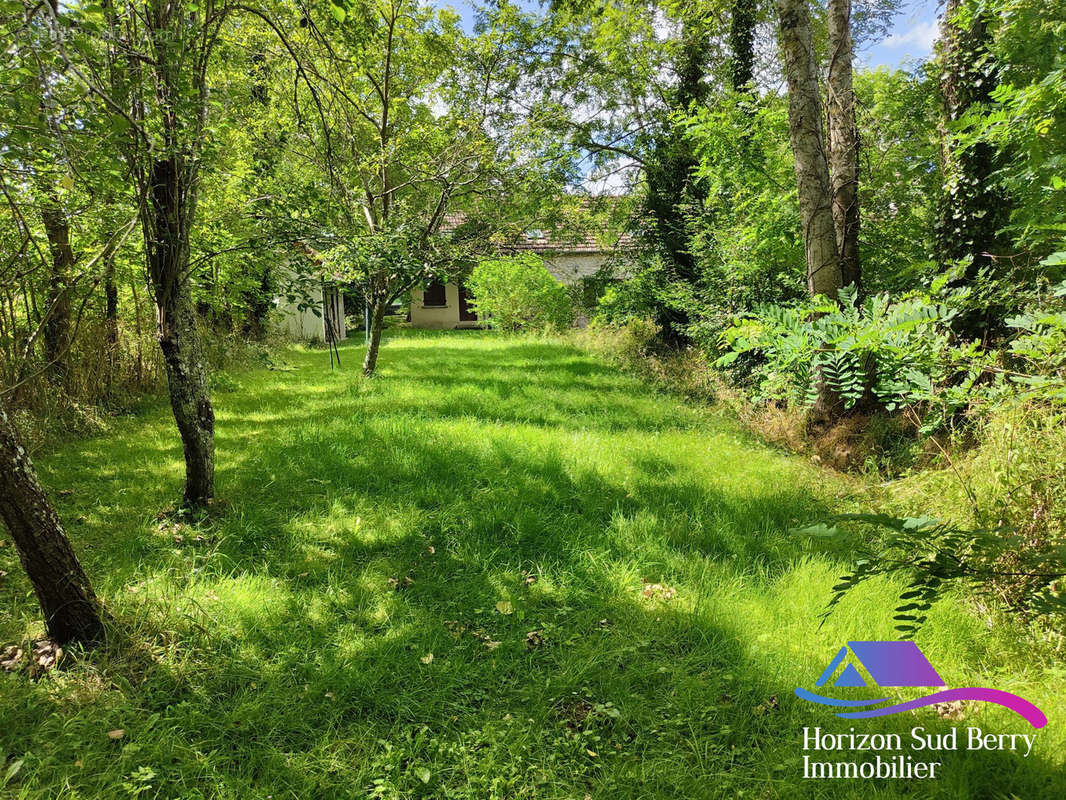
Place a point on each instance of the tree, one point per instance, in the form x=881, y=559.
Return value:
x=843, y=141
x=404, y=128
x=824, y=274
x=157, y=61
x=974, y=209
x=71, y=610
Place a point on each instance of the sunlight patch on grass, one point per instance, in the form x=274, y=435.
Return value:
x=593, y=565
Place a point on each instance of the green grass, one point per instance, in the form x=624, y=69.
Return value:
x=368, y=524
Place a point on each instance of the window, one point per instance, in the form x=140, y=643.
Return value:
x=466, y=313
x=434, y=295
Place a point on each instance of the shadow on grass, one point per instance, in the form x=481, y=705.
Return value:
x=497, y=570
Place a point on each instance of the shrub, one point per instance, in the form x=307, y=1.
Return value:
x=519, y=293
x=895, y=352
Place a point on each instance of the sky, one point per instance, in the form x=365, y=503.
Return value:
x=911, y=38
x=913, y=32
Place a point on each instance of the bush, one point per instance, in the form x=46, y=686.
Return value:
x=895, y=352
x=518, y=293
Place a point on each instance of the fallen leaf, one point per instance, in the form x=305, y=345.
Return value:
x=592, y=753
x=427, y=658
x=768, y=705
x=954, y=710
x=505, y=607
x=659, y=591
x=46, y=654
x=534, y=639
x=10, y=658
x=116, y=734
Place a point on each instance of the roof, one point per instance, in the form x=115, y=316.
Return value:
x=598, y=239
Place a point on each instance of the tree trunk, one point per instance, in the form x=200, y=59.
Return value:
x=377, y=317
x=844, y=142
x=973, y=207
x=805, y=133
x=56, y=332
x=71, y=611
x=742, y=44
x=168, y=263
x=110, y=320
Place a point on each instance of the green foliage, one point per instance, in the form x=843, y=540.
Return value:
x=900, y=175
x=895, y=353
x=519, y=293
x=1026, y=119
x=746, y=238
x=935, y=557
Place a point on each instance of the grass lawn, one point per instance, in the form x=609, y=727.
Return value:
x=500, y=569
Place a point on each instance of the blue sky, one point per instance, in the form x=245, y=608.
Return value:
x=911, y=38
x=913, y=32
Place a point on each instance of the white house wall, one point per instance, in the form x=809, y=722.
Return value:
x=446, y=316
x=570, y=268
x=305, y=325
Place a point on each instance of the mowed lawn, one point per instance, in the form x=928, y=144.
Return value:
x=499, y=569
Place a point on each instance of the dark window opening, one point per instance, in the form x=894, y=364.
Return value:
x=466, y=313
x=435, y=295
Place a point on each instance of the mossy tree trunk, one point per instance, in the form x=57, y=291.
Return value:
x=167, y=234
x=71, y=610
x=377, y=319
x=56, y=333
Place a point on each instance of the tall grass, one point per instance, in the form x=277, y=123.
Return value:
x=500, y=569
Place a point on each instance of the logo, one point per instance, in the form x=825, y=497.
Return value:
x=903, y=664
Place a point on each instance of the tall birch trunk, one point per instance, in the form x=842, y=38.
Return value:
x=844, y=141
x=808, y=147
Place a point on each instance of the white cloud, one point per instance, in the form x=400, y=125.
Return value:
x=920, y=36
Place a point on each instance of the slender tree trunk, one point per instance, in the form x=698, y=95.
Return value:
x=71, y=611
x=805, y=133
x=377, y=318
x=168, y=263
x=110, y=320
x=56, y=332
x=844, y=141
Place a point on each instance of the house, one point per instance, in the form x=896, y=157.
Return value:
x=317, y=318
x=569, y=259
x=313, y=308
